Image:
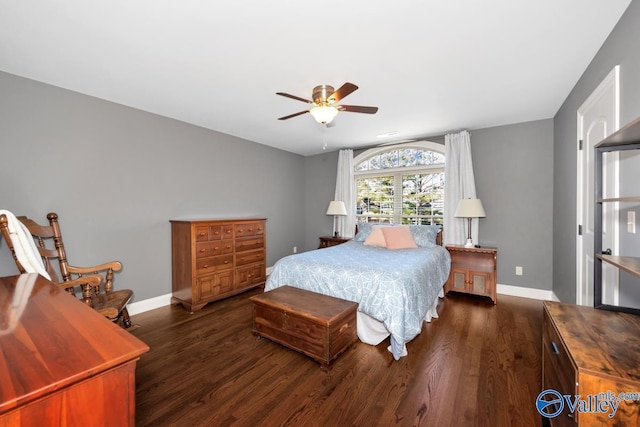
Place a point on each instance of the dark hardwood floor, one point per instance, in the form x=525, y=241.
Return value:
x=479, y=364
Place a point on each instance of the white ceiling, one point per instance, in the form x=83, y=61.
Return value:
x=430, y=66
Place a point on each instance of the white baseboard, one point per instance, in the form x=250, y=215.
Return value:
x=149, y=304
x=519, y=291
x=516, y=291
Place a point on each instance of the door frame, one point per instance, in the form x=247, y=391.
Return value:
x=610, y=82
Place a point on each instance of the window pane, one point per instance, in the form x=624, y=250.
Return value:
x=374, y=198
x=363, y=166
x=422, y=198
x=429, y=158
x=409, y=157
x=389, y=159
x=401, y=158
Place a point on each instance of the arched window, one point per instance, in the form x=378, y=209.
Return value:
x=402, y=184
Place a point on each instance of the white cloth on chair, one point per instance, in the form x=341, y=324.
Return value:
x=24, y=246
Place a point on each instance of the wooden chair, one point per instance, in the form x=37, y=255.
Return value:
x=109, y=303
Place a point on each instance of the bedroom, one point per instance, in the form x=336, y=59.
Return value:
x=116, y=175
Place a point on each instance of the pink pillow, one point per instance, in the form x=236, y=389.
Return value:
x=398, y=237
x=376, y=238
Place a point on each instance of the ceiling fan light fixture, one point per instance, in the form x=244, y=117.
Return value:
x=324, y=114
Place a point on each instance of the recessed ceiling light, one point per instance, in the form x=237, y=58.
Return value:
x=385, y=135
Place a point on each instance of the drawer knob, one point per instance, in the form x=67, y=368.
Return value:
x=226, y=262
x=205, y=266
x=202, y=250
x=203, y=234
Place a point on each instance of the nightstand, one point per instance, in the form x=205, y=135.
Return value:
x=473, y=271
x=326, y=241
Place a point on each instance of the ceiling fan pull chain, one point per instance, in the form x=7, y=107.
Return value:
x=324, y=137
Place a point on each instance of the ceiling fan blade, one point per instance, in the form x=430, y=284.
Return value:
x=342, y=92
x=299, y=113
x=297, y=98
x=358, y=109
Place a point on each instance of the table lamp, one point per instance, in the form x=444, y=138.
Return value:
x=336, y=208
x=469, y=208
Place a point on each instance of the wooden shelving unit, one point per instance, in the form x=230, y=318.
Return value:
x=627, y=138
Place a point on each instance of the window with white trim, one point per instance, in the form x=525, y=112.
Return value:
x=401, y=184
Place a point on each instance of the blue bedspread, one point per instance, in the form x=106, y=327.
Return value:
x=395, y=287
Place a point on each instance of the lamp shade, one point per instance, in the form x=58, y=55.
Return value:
x=324, y=114
x=469, y=208
x=336, y=207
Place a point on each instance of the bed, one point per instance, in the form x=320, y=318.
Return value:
x=396, y=290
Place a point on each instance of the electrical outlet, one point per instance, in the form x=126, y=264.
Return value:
x=518, y=270
x=631, y=222
x=295, y=249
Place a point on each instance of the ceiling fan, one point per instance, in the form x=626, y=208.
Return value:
x=324, y=108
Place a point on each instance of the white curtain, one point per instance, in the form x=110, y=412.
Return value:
x=459, y=183
x=345, y=191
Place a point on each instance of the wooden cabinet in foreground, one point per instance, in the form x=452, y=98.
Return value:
x=216, y=258
x=61, y=362
x=594, y=354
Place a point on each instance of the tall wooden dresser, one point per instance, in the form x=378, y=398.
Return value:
x=216, y=258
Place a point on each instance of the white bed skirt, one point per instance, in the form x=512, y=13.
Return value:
x=373, y=332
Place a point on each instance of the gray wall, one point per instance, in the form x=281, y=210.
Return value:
x=512, y=166
x=621, y=47
x=117, y=175
x=320, y=184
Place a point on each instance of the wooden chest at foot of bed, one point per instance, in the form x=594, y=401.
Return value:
x=320, y=326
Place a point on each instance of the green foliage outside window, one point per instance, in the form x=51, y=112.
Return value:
x=401, y=197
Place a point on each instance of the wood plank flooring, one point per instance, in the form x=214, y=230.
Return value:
x=479, y=364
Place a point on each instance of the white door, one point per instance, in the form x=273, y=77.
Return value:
x=598, y=117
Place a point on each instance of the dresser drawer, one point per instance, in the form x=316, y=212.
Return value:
x=249, y=244
x=249, y=257
x=559, y=374
x=558, y=359
x=219, y=232
x=249, y=229
x=202, y=233
x=203, y=250
x=222, y=247
x=214, y=263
